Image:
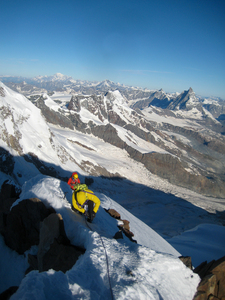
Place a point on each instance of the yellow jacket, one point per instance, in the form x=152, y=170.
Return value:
x=80, y=197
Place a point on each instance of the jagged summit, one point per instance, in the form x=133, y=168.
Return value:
x=186, y=100
x=190, y=90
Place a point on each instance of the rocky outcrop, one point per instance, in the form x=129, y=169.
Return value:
x=74, y=103
x=212, y=285
x=22, y=225
x=31, y=223
x=6, y=295
x=113, y=213
x=170, y=167
x=54, y=250
x=2, y=92
x=199, y=137
x=186, y=261
x=51, y=228
x=109, y=134
x=123, y=226
x=59, y=257
x=8, y=195
x=52, y=116
x=6, y=162
x=157, y=98
x=78, y=124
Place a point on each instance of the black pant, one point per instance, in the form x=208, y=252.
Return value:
x=90, y=212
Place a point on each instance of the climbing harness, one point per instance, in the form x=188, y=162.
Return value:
x=107, y=261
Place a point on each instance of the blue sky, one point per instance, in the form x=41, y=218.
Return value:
x=156, y=44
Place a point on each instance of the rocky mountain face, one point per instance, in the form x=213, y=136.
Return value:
x=178, y=137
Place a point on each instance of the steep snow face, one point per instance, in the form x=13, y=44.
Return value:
x=116, y=98
x=25, y=132
x=149, y=269
x=22, y=120
x=117, y=104
x=137, y=143
x=51, y=103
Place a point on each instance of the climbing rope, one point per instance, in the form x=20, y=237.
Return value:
x=107, y=260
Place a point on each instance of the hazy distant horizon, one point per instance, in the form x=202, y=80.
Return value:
x=121, y=83
x=172, y=45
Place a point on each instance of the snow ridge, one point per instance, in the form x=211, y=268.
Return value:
x=136, y=271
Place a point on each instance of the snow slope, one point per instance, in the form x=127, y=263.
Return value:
x=149, y=269
x=180, y=216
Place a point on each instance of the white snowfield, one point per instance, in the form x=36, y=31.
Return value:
x=149, y=269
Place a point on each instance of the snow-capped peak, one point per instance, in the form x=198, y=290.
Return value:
x=55, y=77
x=115, y=97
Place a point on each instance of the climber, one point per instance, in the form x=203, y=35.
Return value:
x=73, y=180
x=83, y=200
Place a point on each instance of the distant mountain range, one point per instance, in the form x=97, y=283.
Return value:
x=178, y=137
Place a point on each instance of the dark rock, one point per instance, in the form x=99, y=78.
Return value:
x=199, y=268
x=6, y=162
x=113, y=213
x=51, y=228
x=187, y=261
x=6, y=295
x=78, y=124
x=118, y=235
x=54, y=250
x=52, y=116
x=125, y=228
x=61, y=257
x=74, y=103
x=9, y=190
x=23, y=224
x=212, y=285
x=33, y=262
x=8, y=194
x=109, y=134
x=126, y=224
x=127, y=233
x=169, y=167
